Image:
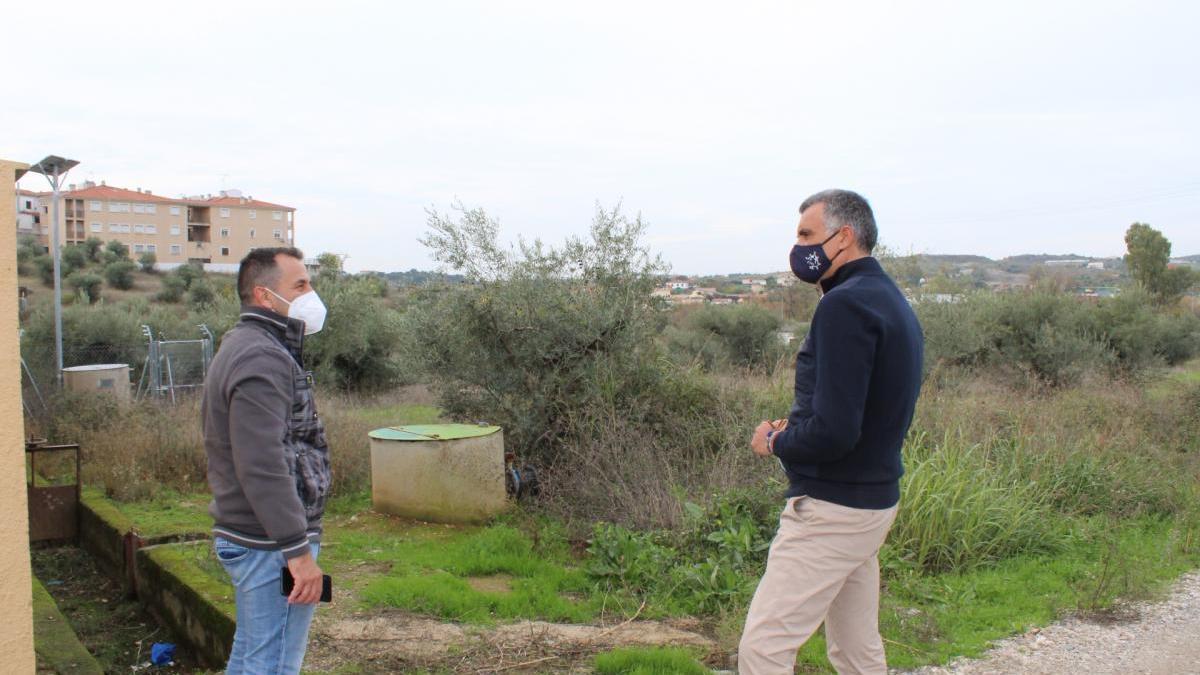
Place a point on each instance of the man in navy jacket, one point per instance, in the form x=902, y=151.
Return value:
x=858, y=376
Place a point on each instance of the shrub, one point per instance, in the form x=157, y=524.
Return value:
x=189, y=273
x=539, y=335
x=44, y=265
x=93, y=246
x=73, y=257
x=744, y=335
x=86, y=284
x=117, y=250
x=357, y=348
x=173, y=288
x=119, y=274
x=91, y=334
x=28, y=249
x=201, y=293
x=1055, y=338
x=148, y=260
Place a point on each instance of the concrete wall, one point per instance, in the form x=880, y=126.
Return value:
x=16, y=605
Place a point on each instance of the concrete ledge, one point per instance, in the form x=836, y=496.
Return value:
x=161, y=572
x=197, y=608
x=58, y=648
x=113, y=539
x=104, y=533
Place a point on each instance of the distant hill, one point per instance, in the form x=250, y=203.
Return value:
x=416, y=277
x=953, y=259
x=1036, y=258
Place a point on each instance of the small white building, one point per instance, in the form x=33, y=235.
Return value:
x=29, y=213
x=680, y=285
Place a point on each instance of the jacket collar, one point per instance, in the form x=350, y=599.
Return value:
x=289, y=332
x=867, y=265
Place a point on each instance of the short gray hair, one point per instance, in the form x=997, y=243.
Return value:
x=844, y=208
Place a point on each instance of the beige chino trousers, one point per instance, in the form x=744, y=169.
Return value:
x=823, y=566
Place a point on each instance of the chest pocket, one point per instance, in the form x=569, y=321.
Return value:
x=306, y=436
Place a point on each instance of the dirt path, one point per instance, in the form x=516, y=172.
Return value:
x=393, y=641
x=1149, y=639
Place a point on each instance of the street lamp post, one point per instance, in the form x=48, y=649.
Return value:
x=54, y=168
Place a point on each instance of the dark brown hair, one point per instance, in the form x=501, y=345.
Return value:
x=259, y=268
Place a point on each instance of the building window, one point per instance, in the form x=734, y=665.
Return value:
x=252, y=233
x=278, y=234
x=139, y=248
x=125, y=228
x=224, y=213
x=151, y=229
x=97, y=206
x=139, y=208
x=175, y=229
x=176, y=249
x=224, y=250
x=139, y=229
x=224, y=232
x=114, y=227
x=150, y=208
x=277, y=215
x=175, y=210
x=253, y=214
x=152, y=248
x=97, y=227
x=118, y=207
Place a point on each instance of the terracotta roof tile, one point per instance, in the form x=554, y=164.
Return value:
x=115, y=193
x=241, y=201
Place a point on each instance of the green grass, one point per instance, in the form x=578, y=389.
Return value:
x=927, y=618
x=431, y=568
x=169, y=513
x=394, y=415
x=58, y=648
x=658, y=661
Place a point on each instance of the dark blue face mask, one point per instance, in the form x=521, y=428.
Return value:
x=810, y=263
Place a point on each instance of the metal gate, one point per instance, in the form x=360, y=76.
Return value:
x=53, y=499
x=175, y=365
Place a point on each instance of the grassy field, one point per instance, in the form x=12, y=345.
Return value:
x=522, y=567
x=1018, y=508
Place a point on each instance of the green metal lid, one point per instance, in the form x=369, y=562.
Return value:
x=432, y=432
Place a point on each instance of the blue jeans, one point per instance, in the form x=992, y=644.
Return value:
x=271, y=635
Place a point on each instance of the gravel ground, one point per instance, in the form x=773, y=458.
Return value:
x=1156, y=638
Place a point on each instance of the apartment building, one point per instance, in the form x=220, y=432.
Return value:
x=214, y=230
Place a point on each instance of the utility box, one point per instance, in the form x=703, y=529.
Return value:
x=110, y=378
x=440, y=473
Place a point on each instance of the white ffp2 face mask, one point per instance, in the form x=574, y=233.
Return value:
x=307, y=308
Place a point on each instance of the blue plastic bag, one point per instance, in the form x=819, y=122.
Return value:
x=162, y=653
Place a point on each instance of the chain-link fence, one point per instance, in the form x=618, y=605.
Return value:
x=158, y=367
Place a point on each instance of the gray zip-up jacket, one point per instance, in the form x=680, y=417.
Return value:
x=268, y=460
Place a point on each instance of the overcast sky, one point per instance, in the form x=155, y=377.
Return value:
x=992, y=128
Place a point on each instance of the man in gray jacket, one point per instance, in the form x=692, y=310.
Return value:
x=268, y=461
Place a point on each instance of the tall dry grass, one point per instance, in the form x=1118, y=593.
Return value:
x=133, y=450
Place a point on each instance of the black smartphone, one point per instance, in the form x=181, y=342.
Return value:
x=287, y=583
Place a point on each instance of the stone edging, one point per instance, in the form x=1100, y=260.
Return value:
x=166, y=582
